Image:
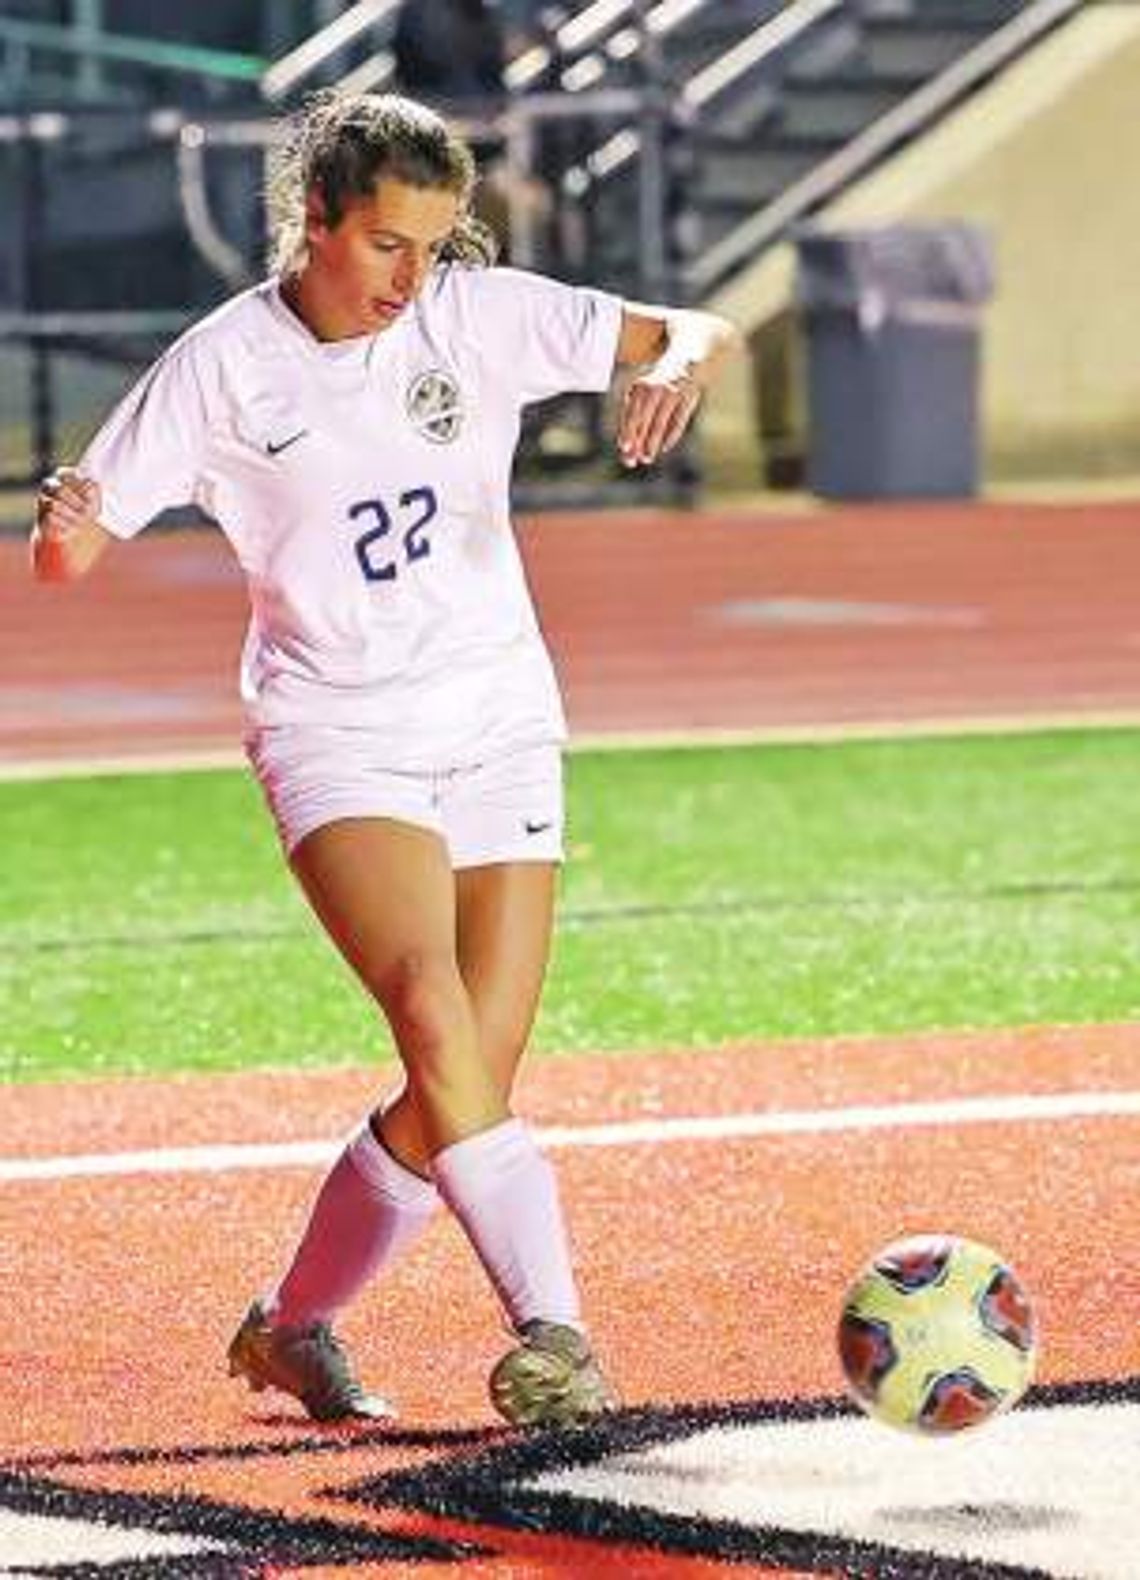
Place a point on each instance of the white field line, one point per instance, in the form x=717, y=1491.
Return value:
x=1019, y=1109
x=203, y=759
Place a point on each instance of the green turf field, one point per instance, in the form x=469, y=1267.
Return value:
x=149, y=923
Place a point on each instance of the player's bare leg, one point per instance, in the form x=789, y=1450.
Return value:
x=387, y=897
x=504, y=921
x=504, y=931
x=452, y=962
x=506, y=918
x=386, y=894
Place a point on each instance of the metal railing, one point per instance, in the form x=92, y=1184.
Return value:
x=317, y=52
x=616, y=27
x=915, y=112
x=81, y=325
x=764, y=44
x=90, y=47
x=515, y=128
x=612, y=27
x=131, y=337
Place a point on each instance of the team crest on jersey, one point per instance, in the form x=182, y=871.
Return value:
x=435, y=407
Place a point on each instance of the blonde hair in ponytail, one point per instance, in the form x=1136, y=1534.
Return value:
x=339, y=145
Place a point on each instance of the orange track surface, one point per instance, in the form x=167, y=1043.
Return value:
x=873, y=614
x=712, y=1271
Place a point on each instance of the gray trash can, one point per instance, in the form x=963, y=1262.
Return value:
x=892, y=319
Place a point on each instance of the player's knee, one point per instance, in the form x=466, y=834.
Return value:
x=427, y=1008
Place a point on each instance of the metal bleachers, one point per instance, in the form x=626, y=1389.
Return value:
x=675, y=139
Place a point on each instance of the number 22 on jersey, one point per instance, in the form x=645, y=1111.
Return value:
x=414, y=513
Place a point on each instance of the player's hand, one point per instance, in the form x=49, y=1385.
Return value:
x=66, y=504
x=655, y=411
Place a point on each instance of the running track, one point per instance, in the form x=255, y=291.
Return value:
x=712, y=1270
x=726, y=621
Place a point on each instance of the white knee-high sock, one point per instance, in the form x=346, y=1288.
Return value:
x=369, y=1209
x=504, y=1193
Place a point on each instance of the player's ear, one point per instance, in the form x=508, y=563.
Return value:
x=316, y=224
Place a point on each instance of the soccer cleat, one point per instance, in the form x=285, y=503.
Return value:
x=551, y=1379
x=310, y=1363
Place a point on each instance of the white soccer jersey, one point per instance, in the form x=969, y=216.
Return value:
x=364, y=486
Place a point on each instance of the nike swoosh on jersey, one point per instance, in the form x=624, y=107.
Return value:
x=536, y=828
x=283, y=444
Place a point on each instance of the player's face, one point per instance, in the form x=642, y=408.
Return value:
x=363, y=271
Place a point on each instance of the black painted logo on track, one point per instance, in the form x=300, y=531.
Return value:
x=501, y=1482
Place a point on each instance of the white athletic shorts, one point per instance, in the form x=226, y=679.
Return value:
x=509, y=808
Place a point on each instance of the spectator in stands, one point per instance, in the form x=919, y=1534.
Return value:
x=451, y=50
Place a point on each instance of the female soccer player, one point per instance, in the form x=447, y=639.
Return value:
x=351, y=424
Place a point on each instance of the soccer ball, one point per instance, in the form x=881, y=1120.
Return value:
x=937, y=1335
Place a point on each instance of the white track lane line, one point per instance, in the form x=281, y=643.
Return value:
x=1016, y=1109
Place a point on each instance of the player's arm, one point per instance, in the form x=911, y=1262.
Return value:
x=67, y=537
x=679, y=351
